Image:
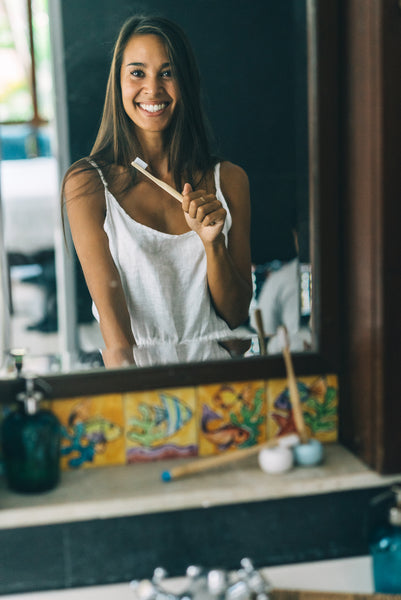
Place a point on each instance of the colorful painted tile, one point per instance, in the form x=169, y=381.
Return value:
x=232, y=416
x=92, y=431
x=160, y=424
x=319, y=398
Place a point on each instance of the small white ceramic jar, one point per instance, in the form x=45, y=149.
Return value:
x=278, y=459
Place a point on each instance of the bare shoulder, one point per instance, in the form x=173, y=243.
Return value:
x=81, y=178
x=83, y=192
x=233, y=175
x=234, y=184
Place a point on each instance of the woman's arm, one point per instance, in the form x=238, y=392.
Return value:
x=85, y=204
x=228, y=268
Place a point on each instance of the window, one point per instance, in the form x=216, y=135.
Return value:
x=26, y=103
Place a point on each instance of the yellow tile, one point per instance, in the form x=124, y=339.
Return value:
x=160, y=424
x=93, y=431
x=231, y=416
x=319, y=397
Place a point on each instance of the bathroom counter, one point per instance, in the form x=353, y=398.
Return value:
x=118, y=491
x=109, y=525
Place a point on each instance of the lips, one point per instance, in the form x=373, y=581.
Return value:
x=153, y=108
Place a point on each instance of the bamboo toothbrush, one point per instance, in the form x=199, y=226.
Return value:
x=261, y=332
x=141, y=166
x=292, y=386
x=211, y=462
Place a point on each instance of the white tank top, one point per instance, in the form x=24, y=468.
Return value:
x=165, y=285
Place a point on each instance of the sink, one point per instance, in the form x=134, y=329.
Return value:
x=348, y=575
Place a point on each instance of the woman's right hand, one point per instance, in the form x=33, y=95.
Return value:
x=203, y=213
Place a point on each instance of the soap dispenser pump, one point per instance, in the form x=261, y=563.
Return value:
x=31, y=444
x=385, y=547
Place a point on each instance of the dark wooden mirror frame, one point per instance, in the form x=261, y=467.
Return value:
x=370, y=217
x=322, y=85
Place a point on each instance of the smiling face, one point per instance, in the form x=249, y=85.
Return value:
x=148, y=88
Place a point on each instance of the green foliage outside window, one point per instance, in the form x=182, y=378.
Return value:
x=16, y=94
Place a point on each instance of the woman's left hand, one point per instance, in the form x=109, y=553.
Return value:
x=203, y=213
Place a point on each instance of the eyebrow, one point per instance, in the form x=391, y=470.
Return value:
x=140, y=64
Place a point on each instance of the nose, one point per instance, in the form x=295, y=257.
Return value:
x=152, y=84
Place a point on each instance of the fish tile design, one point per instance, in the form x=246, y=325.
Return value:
x=92, y=431
x=146, y=426
x=232, y=416
x=160, y=424
x=319, y=398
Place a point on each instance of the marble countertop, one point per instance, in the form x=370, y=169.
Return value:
x=107, y=492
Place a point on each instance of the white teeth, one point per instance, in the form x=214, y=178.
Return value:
x=153, y=107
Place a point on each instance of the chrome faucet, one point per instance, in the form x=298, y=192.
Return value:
x=245, y=584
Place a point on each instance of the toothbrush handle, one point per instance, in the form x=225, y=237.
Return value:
x=203, y=464
x=261, y=331
x=294, y=397
x=165, y=186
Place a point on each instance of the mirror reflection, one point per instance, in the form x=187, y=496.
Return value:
x=267, y=138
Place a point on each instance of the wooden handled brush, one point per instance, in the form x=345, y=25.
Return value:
x=293, y=387
x=203, y=464
x=141, y=166
x=261, y=331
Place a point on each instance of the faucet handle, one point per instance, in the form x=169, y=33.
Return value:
x=144, y=589
x=257, y=583
x=238, y=591
x=247, y=565
x=217, y=581
x=158, y=575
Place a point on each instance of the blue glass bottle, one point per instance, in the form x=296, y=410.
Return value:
x=31, y=444
x=385, y=548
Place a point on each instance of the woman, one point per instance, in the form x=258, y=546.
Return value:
x=167, y=279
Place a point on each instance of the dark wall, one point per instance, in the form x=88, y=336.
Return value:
x=112, y=550
x=252, y=59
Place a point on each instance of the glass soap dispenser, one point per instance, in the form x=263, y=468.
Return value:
x=385, y=548
x=31, y=444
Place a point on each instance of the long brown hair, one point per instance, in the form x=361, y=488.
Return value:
x=188, y=135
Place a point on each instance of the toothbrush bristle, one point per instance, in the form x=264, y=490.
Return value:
x=140, y=162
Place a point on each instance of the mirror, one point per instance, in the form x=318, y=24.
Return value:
x=273, y=148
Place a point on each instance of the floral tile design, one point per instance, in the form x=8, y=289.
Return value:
x=232, y=416
x=319, y=398
x=92, y=431
x=160, y=424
